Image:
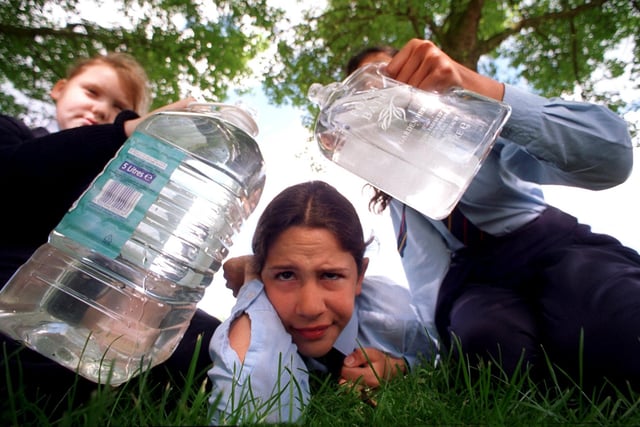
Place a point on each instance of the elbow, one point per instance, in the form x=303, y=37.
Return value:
x=600, y=154
x=623, y=167
x=618, y=166
x=613, y=169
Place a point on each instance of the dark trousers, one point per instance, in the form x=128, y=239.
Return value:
x=552, y=289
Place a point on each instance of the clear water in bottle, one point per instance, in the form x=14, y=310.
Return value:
x=423, y=148
x=115, y=287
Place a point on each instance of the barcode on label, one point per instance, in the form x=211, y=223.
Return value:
x=118, y=198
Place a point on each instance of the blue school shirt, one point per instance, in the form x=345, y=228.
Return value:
x=545, y=141
x=274, y=379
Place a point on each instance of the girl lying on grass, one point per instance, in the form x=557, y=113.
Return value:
x=303, y=297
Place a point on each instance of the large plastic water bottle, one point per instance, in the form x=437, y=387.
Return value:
x=113, y=290
x=423, y=148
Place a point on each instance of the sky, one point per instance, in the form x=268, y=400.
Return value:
x=287, y=150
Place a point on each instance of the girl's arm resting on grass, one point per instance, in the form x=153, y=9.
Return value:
x=371, y=366
x=270, y=382
x=389, y=322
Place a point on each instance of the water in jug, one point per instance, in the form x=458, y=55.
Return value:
x=113, y=290
x=423, y=148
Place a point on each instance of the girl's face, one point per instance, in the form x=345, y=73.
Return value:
x=312, y=283
x=95, y=96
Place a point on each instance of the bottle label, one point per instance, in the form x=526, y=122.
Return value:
x=106, y=215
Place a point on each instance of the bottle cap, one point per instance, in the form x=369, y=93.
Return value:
x=371, y=76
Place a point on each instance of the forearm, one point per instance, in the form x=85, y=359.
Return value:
x=575, y=143
x=85, y=150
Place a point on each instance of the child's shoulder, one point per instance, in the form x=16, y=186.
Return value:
x=18, y=129
x=380, y=293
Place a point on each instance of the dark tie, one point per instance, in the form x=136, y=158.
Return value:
x=333, y=362
x=402, y=231
x=456, y=223
x=463, y=229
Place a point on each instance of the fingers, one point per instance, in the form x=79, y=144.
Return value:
x=420, y=63
x=363, y=375
x=370, y=366
x=407, y=61
x=365, y=365
x=178, y=105
x=360, y=357
x=237, y=271
x=233, y=273
x=130, y=125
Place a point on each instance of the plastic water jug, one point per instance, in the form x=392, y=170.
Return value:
x=114, y=289
x=423, y=148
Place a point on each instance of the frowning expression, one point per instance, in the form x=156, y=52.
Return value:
x=312, y=283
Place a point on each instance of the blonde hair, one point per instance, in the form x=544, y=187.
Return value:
x=130, y=72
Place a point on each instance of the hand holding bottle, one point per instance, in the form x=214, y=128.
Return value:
x=419, y=146
x=114, y=288
x=420, y=63
x=131, y=125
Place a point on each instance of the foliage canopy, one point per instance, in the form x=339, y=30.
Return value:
x=555, y=46
x=182, y=44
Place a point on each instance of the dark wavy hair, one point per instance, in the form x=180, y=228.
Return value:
x=313, y=204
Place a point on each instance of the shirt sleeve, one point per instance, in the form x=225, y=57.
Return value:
x=566, y=142
x=47, y=174
x=81, y=148
x=272, y=385
x=388, y=321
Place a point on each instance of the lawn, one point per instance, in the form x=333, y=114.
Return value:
x=447, y=394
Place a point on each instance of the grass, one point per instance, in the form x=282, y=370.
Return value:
x=142, y=401
x=133, y=404
x=449, y=394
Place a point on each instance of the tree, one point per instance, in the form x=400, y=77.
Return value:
x=182, y=44
x=555, y=45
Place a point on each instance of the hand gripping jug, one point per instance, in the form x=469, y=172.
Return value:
x=422, y=148
x=114, y=289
